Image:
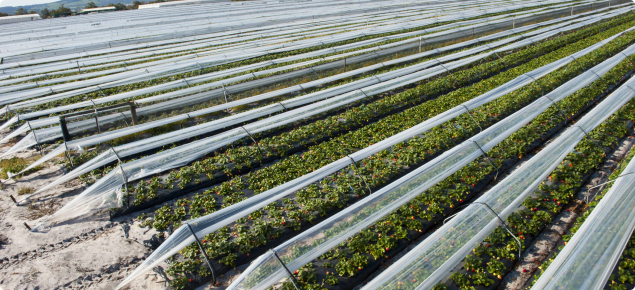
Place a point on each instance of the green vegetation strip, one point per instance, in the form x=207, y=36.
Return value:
x=387, y=165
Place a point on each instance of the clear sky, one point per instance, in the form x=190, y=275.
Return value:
x=16, y=3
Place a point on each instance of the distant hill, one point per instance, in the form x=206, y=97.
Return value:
x=72, y=4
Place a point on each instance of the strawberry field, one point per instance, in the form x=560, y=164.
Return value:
x=320, y=145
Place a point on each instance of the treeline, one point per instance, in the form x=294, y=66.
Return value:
x=61, y=10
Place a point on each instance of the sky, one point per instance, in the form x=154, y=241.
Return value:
x=4, y=3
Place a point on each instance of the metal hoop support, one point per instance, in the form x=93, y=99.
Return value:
x=360, y=174
x=181, y=123
x=285, y=267
x=503, y=223
x=496, y=53
x=314, y=72
x=542, y=92
x=599, y=77
x=200, y=246
x=446, y=69
x=602, y=46
x=125, y=180
x=96, y=117
x=252, y=138
x=629, y=58
x=116, y=155
x=602, y=185
x=101, y=91
x=68, y=155
x=302, y=89
x=561, y=112
x=35, y=137
x=488, y=159
x=469, y=114
x=591, y=139
x=124, y=119
x=225, y=95
x=630, y=88
x=576, y=61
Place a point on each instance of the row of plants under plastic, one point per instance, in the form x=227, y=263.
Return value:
x=167, y=55
x=135, y=60
x=277, y=86
x=493, y=258
x=623, y=276
x=272, y=176
x=161, y=80
x=222, y=244
x=388, y=237
x=359, y=116
x=78, y=159
x=440, y=86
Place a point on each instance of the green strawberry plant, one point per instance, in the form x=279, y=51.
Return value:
x=380, y=170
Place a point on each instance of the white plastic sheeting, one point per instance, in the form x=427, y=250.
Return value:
x=267, y=270
x=431, y=260
x=215, y=20
x=203, y=27
x=158, y=141
x=235, y=42
x=212, y=222
x=198, y=79
x=588, y=259
x=219, y=58
x=53, y=133
x=184, y=154
x=201, y=62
